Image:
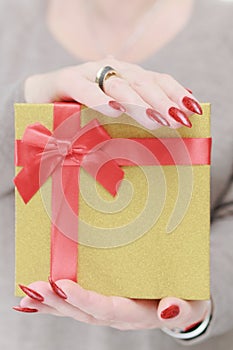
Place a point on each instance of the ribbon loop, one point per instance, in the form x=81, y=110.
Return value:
x=42, y=152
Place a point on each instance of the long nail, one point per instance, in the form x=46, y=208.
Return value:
x=57, y=289
x=170, y=312
x=192, y=105
x=116, y=105
x=179, y=116
x=24, y=309
x=31, y=293
x=154, y=115
x=190, y=91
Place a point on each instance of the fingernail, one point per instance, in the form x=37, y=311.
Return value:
x=179, y=116
x=192, y=326
x=170, y=312
x=57, y=289
x=24, y=309
x=153, y=114
x=190, y=91
x=31, y=293
x=192, y=105
x=116, y=105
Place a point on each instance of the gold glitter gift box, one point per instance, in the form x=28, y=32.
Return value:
x=149, y=240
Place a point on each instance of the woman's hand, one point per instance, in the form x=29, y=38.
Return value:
x=152, y=99
x=68, y=299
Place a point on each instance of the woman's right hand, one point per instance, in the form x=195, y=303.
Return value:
x=152, y=99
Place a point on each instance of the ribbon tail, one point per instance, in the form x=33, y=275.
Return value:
x=105, y=170
x=27, y=182
x=35, y=173
x=64, y=231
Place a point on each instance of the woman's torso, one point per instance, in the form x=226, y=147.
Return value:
x=198, y=57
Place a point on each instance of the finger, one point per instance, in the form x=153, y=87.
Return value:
x=177, y=93
x=174, y=312
x=55, y=302
x=88, y=93
x=120, y=90
x=46, y=309
x=109, y=308
x=27, y=302
x=89, y=69
x=150, y=91
x=42, y=308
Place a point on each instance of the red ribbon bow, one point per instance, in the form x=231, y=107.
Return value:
x=40, y=152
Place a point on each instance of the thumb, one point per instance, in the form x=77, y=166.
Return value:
x=175, y=312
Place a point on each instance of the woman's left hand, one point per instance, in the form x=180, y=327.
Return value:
x=68, y=299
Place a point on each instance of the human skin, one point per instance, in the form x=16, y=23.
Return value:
x=137, y=87
x=117, y=312
x=91, y=32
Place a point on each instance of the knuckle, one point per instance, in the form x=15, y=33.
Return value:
x=165, y=77
x=163, y=100
x=139, y=83
x=114, y=84
x=154, y=75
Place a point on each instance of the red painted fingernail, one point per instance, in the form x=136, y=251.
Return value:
x=179, y=116
x=31, y=293
x=116, y=105
x=57, y=289
x=170, y=312
x=194, y=325
x=24, y=309
x=153, y=114
x=192, y=105
x=190, y=91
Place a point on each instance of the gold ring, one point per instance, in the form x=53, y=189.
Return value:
x=103, y=74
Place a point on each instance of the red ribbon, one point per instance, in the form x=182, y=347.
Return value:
x=69, y=150
x=60, y=154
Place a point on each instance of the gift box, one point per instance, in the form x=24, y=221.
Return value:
x=115, y=207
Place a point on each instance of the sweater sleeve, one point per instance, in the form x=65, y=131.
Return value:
x=10, y=94
x=221, y=262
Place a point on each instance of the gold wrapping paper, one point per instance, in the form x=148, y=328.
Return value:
x=125, y=262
